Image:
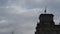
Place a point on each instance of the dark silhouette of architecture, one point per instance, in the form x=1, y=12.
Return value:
x=47, y=25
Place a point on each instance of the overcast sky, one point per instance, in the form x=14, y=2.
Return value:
x=21, y=16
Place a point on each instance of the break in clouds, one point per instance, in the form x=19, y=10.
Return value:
x=21, y=16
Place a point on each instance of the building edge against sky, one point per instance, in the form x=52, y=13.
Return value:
x=47, y=25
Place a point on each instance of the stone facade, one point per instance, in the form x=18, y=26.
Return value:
x=47, y=25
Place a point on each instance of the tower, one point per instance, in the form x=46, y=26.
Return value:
x=45, y=25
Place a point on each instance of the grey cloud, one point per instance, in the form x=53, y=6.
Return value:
x=24, y=22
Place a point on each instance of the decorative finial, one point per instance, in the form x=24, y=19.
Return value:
x=12, y=32
x=45, y=9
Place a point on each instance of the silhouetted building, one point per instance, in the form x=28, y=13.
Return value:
x=47, y=25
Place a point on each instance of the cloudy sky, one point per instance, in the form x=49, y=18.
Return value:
x=21, y=16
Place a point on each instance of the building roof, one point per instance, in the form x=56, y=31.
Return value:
x=57, y=26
